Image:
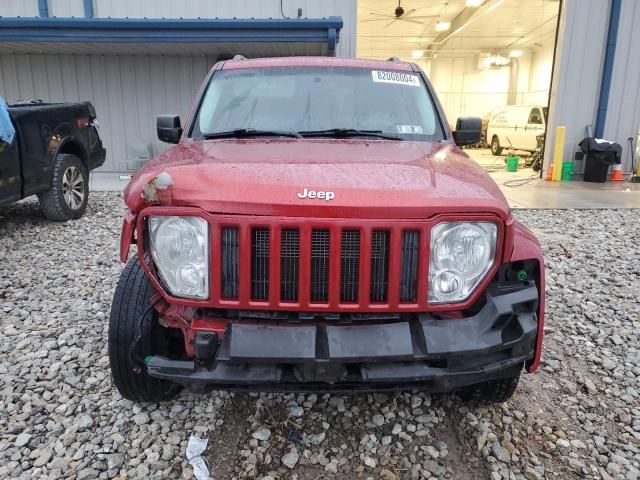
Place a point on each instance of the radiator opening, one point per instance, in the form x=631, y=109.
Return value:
x=289, y=265
x=379, y=266
x=260, y=263
x=320, y=248
x=350, y=266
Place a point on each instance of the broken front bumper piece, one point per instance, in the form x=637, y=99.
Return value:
x=428, y=353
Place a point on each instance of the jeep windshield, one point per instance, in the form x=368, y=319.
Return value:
x=311, y=102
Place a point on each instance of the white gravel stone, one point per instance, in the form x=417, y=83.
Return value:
x=262, y=434
x=290, y=459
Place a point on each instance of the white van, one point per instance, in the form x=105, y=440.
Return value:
x=516, y=126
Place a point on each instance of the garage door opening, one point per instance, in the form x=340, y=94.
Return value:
x=486, y=58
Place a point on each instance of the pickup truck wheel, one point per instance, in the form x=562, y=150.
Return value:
x=69, y=193
x=496, y=149
x=133, y=318
x=493, y=391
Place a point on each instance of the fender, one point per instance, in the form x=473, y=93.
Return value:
x=127, y=235
x=526, y=247
x=64, y=134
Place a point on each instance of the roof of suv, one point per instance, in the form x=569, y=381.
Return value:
x=316, y=62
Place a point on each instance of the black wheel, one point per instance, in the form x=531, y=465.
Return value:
x=496, y=149
x=69, y=193
x=131, y=317
x=493, y=391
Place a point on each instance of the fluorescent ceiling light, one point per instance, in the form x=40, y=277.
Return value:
x=443, y=26
x=417, y=53
x=474, y=3
x=500, y=60
x=515, y=53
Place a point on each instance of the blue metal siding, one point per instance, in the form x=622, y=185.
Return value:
x=43, y=8
x=88, y=8
x=609, y=57
x=169, y=30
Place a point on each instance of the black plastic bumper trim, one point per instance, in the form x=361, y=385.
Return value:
x=440, y=354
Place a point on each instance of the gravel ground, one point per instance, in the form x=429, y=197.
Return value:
x=60, y=417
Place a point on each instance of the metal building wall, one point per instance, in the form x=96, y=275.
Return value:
x=623, y=110
x=127, y=91
x=18, y=8
x=238, y=9
x=577, y=72
x=66, y=8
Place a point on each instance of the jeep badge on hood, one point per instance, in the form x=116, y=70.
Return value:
x=328, y=196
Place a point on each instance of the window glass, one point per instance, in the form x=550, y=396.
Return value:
x=310, y=99
x=535, y=116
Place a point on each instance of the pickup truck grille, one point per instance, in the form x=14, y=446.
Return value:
x=309, y=266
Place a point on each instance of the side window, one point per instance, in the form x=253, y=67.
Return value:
x=535, y=116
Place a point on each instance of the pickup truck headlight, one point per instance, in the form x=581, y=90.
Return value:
x=461, y=255
x=180, y=250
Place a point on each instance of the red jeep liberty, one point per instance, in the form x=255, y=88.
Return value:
x=317, y=227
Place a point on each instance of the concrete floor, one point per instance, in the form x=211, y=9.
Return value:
x=523, y=189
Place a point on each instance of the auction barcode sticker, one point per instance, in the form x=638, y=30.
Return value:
x=395, y=77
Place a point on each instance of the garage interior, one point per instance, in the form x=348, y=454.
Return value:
x=479, y=56
x=482, y=56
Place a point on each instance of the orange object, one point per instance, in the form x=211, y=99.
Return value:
x=616, y=175
x=549, y=176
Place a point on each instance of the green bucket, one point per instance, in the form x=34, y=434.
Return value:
x=567, y=171
x=512, y=163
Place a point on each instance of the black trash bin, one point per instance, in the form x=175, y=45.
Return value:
x=600, y=155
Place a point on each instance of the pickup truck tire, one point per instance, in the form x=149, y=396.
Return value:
x=496, y=149
x=69, y=193
x=131, y=316
x=493, y=391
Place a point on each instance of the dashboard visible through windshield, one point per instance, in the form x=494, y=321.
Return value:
x=317, y=102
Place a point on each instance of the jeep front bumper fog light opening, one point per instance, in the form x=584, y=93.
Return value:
x=180, y=250
x=461, y=255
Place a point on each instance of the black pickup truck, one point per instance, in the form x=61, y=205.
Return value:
x=48, y=150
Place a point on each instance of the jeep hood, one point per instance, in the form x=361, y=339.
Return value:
x=369, y=179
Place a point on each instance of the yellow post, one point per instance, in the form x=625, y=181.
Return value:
x=558, y=154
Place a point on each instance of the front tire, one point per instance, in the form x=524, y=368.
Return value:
x=496, y=149
x=69, y=193
x=131, y=316
x=492, y=391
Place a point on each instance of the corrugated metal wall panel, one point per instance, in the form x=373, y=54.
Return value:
x=127, y=91
x=18, y=8
x=239, y=9
x=623, y=111
x=66, y=8
x=577, y=73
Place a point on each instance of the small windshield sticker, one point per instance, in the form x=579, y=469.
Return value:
x=409, y=129
x=395, y=77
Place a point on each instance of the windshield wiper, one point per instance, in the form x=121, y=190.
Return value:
x=348, y=132
x=250, y=132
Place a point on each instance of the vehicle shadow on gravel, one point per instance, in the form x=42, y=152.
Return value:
x=25, y=211
x=28, y=212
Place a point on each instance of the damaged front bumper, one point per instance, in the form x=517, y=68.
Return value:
x=425, y=352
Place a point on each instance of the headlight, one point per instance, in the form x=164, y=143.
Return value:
x=461, y=255
x=180, y=250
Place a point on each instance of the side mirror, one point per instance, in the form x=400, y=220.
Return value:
x=169, y=128
x=468, y=131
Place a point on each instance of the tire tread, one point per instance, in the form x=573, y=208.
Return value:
x=52, y=201
x=130, y=300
